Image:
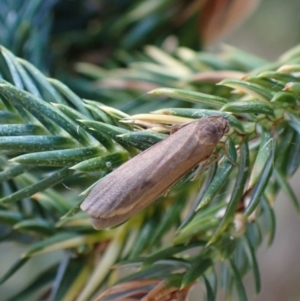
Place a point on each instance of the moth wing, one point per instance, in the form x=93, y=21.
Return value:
x=123, y=186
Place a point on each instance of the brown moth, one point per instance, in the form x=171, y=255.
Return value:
x=141, y=180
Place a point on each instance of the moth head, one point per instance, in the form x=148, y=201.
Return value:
x=217, y=127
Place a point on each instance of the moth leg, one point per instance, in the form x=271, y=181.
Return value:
x=224, y=146
x=166, y=192
x=176, y=128
x=199, y=170
x=209, y=161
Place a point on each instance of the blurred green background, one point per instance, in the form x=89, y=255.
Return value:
x=270, y=31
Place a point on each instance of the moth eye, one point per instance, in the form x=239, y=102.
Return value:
x=108, y=164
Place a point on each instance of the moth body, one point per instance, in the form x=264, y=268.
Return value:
x=141, y=180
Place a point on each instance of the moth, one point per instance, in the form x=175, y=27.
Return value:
x=141, y=180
